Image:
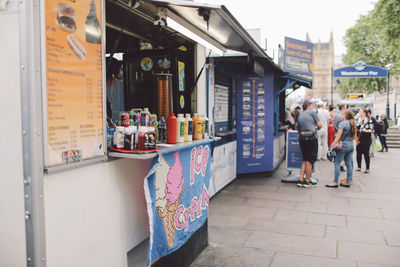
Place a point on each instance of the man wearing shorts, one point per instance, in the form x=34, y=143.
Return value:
x=308, y=139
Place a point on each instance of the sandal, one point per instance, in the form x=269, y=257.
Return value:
x=331, y=185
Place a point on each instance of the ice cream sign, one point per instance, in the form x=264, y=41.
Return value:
x=177, y=196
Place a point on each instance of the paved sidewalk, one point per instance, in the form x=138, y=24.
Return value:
x=259, y=221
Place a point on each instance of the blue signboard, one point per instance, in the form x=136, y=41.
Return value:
x=255, y=124
x=177, y=196
x=294, y=157
x=298, y=57
x=360, y=70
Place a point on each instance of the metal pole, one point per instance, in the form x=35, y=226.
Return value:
x=387, y=97
x=331, y=85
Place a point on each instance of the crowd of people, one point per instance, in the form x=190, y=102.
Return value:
x=334, y=133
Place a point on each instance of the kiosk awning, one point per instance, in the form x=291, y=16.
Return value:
x=214, y=23
x=294, y=82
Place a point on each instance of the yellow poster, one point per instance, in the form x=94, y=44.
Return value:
x=74, y=80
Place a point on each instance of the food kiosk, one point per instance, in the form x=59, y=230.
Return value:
x=68, y=201
x=253, y=89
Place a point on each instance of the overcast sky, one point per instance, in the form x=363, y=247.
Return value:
x=294, y=18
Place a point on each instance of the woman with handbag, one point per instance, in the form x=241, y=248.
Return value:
x=344, y=147
x=365, y=128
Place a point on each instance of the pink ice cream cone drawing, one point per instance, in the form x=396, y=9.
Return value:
x=173, y=189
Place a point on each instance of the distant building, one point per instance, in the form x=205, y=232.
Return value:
x=324, y=58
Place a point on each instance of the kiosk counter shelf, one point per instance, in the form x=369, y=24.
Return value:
x=160, y=147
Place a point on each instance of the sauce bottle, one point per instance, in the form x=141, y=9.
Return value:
x=180, y=129
x=194, y=118
x=171, y=128
x=144, y=117
x=119, y=136
x=198, y=129
x=189, y=128
x=206, y=127
x=162, y=128
x=203, y=126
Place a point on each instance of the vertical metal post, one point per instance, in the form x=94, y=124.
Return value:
x=32, y=129
x=387, y=96
x=331, y=85
x=394, y=100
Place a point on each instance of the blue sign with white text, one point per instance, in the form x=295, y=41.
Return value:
x=294, y=157
x=360, y=70
x=298, y=57
x=176, y=190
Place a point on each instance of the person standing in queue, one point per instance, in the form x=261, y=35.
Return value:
x=331, y=124
x=373, y=135
x=308, y=124
x=346, y=133
x=383, y=125
x=336, y=121
x=323, y=116
x=296, y=113
x=365, y=128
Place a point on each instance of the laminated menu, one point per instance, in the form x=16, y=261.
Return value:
x=74, y=87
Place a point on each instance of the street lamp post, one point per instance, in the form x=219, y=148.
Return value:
x=387, y=98
x=388, y=67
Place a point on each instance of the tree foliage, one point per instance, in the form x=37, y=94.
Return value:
x=375, y=39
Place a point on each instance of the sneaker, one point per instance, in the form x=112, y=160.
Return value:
x=387, y=150
x=358, y=169
x=366, y=171
x=307, y=185
x=313, y=183
x=300, y=183
x=342, y=169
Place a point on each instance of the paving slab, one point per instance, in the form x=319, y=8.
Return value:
x=293, y=244
x=391, y=214
x=365, y=264
x=392, y=237
x=288, y=259
x=385, y=255
x=355, y=235
x=370, y=223
x=312, y=207
x=269, y=203
x=260, y=188
x=282, y=196
x=327, y=219
x=233, y=256
x=354, y=211
x=226, y=220
x=228, y=235
x=373, y=203
x=290, y=216
x=302, y=229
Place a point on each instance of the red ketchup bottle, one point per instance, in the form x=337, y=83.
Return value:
x=171, y=128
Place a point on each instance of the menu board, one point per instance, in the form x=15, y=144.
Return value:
x=221, y=97
x=253, y=119
x=74, y=89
